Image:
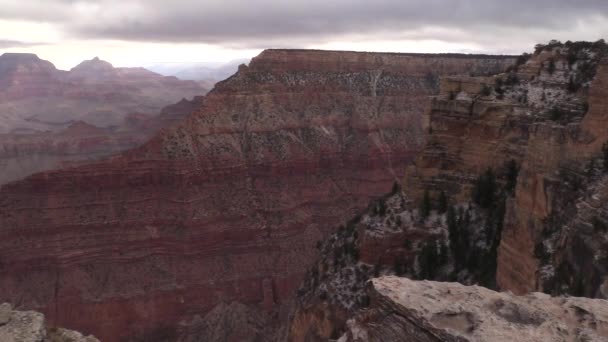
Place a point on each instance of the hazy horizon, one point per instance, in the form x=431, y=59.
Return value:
x=140, y=33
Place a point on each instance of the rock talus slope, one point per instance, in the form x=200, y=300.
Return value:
x=226, y=206
x=404, y=310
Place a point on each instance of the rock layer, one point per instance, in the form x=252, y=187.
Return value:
x=24, y=154
x=404, y=310
x=548, y=116
x=228, y=205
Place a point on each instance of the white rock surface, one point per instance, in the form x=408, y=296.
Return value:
x=406, y=310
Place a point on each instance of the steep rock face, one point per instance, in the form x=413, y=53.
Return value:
x=557, y=157
x=403, y=310
x=507, y=192
x=226, y=206
x=547, y=116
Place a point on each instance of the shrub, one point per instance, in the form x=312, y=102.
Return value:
x=512, y=79
x=498, y=83
x=572, y=85
x=556, y=114
x=551, y=68
x=485, y=90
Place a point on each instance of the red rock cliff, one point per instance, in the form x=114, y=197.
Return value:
x=226, y=206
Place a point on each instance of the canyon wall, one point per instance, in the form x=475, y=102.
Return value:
x=508, y=193
x=226, y=206
x=24, y=154
x=37, y=97
x=548, y=116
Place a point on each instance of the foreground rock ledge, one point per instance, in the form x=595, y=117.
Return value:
x=407, y=310
x=30, y=326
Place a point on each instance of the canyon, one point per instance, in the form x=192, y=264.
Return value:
x=52, y=118
x=508, y=192
x=37, y=97
x=217, y=218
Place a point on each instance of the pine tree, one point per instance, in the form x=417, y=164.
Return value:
x=395, y=188
x=605, y=155
x=512, y=173
x=484, y=190
x=443, y=203
x=425, y=206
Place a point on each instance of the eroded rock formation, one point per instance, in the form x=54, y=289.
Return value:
x=24, y=154
x=404, y=310
x=507, y=193
x=228, y=205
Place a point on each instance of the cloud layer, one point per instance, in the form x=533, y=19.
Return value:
x=260, y=23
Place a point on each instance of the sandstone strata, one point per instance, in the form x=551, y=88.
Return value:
x=547, y=234
x=549, y=119
x=24, y=154
x=404, y=310
x=228, y=205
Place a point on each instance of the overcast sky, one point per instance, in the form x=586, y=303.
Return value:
x=141, y=32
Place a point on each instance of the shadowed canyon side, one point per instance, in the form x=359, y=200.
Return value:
x=226, y=206
x=508, y=193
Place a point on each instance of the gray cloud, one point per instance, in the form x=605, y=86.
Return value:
x=7, y=43
x=263, y=23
